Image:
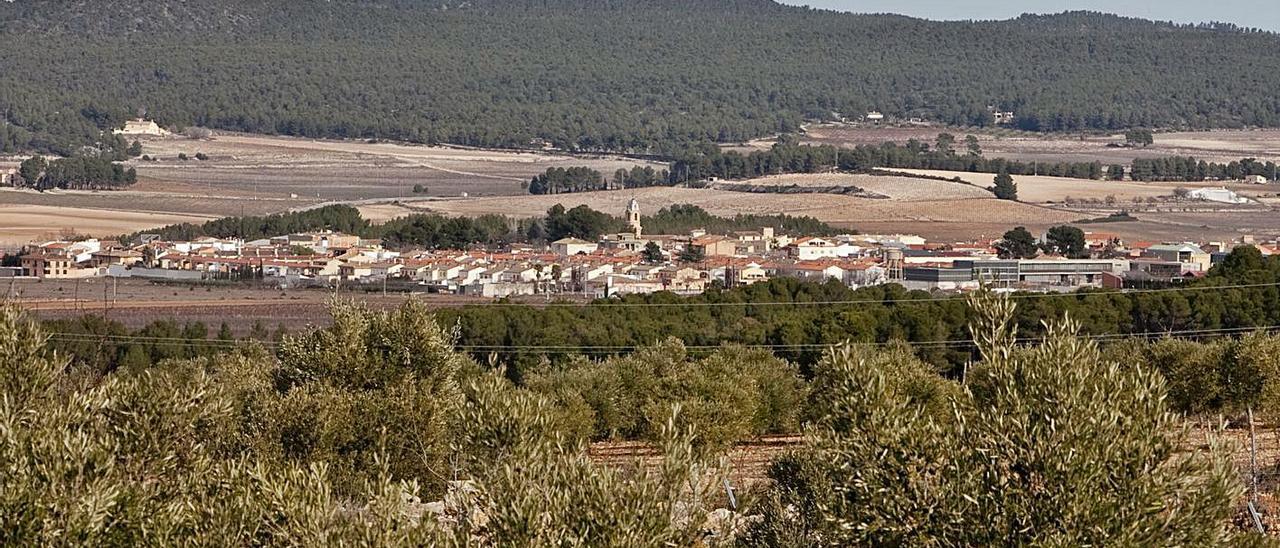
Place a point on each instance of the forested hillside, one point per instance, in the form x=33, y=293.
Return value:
x=599, y=74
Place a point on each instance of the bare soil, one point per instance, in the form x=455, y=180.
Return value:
x=259, y=175
x=23, y=223
x=328, y=170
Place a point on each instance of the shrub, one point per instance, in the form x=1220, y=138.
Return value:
x=1048, y=444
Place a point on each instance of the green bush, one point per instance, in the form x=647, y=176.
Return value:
x=731, y=395
x=1048, y=445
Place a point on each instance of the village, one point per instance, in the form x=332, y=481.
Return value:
x=626, y=263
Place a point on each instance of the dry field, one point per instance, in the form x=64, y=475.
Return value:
x=23, y=223
x=906, y=189
x=259, y=175
x=326, y=170
x=942, y=218
x=1216, y=146
x=1045, y=189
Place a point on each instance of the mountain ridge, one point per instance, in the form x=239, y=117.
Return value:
x=642, y=76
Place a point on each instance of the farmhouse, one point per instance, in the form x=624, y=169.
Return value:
x=1256, y=179
x=141, y=127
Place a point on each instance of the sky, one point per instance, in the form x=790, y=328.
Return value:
x=1263, y=14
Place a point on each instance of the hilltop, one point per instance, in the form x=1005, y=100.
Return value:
x=594, y=75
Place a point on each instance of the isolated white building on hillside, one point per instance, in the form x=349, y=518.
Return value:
x=141, y=127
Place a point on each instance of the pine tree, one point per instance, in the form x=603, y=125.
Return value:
x=1005, y=188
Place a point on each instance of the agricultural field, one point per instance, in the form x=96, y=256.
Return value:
x=905, y=189
x=324, y=170
x=1213, y=146
x=21, y=223
x=960, y=216
x=258, y=175
x=1046, y=189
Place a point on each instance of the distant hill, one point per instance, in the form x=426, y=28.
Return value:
x=637, y=75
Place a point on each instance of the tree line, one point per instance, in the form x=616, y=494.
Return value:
x=234, y=66
x=440, y=232
x=1186, y=168
x=788, y=156
x=76, y=172
x=754, y=315
x=558, y=180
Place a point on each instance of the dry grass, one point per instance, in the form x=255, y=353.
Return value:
x=1044, y=189
x=258, y=175
x=908, y=189
x=327, y=170
x=20, y=224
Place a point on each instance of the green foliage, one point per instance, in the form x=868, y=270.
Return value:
x=682, y=218
x=440, y=232
x=652, y=253
x=1005, y=188
x=323, y=448
x=1140, y=137
x=700, y=162
x=133, y=460
x=728, y=396
x=77, y=172
x=1067, y=241
x=559, y=180
x=972, y=145
x=537, y=488
x=692, y=254
x=623, y=77
x=339, y=218
x=1017, y=244
x=374, y=384
x=1049, y=445
x=580, y=222
x=1186, y=168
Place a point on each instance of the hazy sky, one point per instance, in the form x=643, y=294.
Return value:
x=1264, y=14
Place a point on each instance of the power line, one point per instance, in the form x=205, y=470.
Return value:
x=1016, y=296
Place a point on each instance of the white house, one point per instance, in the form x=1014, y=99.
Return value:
x=573, y=246
x=141, y=127
x=1256, y=179
x=808, y=249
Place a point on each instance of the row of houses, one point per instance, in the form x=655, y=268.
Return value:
x=619, y=264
